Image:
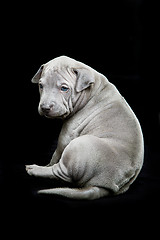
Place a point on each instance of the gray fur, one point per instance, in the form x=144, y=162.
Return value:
x=100, y=148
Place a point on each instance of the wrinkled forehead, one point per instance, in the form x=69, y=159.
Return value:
x=63, y=62
x=57, y=72
x=59, y=69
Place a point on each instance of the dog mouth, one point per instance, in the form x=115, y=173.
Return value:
x=52, y=116
x=63, y=113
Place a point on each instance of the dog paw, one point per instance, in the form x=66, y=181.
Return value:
x=33, y=170
x=39, y=171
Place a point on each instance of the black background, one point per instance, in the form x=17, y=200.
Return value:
x=118, y=39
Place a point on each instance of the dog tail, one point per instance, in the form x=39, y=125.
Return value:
x=89, y=193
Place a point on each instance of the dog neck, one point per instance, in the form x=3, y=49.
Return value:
x=81, y=101
x=88, y=95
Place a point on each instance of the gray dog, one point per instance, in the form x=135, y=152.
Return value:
x=100, y=148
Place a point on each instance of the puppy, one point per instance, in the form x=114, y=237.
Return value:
x=100, y=148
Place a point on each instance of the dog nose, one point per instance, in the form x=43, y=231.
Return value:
x=46, y=108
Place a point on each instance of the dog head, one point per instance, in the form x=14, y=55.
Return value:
x=62, y=81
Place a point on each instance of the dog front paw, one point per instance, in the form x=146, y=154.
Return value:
x=39, y=171
x=33, y=170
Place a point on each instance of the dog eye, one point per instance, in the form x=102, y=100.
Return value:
x=64, y=89
x=40, y=86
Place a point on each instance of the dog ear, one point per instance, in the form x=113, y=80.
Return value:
x=84, y=79
x=37, y=76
